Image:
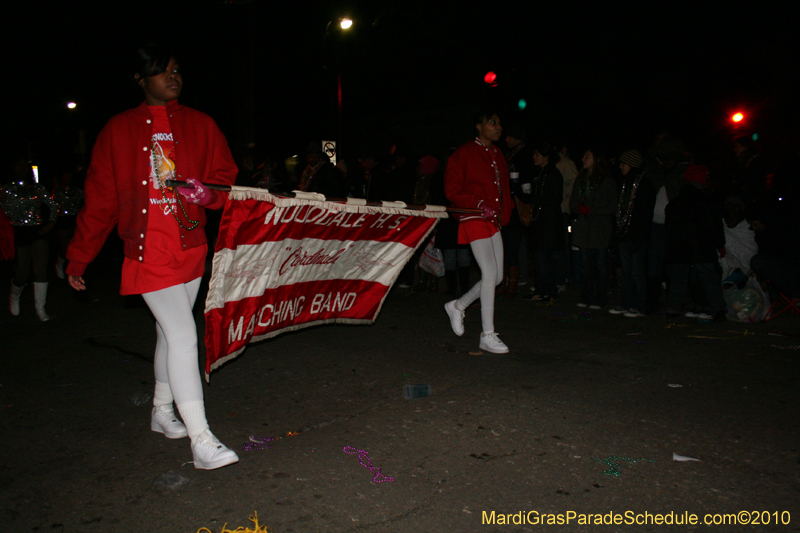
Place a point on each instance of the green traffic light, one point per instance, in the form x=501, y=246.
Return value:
x=522, y=104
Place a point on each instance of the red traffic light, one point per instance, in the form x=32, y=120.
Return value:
x=490, y=77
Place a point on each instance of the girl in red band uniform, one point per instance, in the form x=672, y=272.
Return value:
x=477, y=178
x=163, y=233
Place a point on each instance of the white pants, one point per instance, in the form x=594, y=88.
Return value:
x=489, y=256
x=176, y=360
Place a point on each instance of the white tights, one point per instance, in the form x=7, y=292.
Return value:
x=489, y=256
x=176, y=363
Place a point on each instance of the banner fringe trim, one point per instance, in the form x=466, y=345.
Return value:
x=251, y=193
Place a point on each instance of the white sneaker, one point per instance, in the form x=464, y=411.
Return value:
x=163, y=420
x=209, y=453
x=617, y=310
x=633, y=313
x=456, y=317
x=491, y=343
x=691, y=314
x=704, y=316
x=595, y=307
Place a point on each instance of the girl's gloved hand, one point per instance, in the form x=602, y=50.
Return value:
x=195, y=192
x=488, y=212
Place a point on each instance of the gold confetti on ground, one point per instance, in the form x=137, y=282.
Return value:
x=253, y=519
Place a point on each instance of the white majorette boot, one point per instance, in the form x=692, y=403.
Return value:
x=456, y=317
x=13, y=298
x=40, y=297
x=163, y=420
x=209, y=453
x=491, y=343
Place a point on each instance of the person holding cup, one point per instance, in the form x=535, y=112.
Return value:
x=520, y=174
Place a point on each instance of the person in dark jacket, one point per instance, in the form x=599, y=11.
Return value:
x=520, y=172
x=664, y=166
x=778, y=258
x=694, y=241
x=393, y=180
x=632, y=229
x=321, y=176
x=749, y=177
x=593, y=202
x=547, y=225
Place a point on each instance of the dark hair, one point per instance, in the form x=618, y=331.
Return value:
x=600, y=169
x=549, y=150
x=152, y=60
x=484, y=115
x=517, y=131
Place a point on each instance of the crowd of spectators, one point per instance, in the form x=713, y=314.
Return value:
x=637, y=231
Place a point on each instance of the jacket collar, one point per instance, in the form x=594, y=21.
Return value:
x=141, y=109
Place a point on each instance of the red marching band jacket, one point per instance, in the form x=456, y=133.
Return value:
x=470, y=179
x=117, y=181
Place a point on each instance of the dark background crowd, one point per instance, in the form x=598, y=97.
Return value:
x=664, y=225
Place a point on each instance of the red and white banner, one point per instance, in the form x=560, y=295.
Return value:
x=283, y=264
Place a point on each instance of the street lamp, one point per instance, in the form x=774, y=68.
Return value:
x=73, y=111
x=345, y=24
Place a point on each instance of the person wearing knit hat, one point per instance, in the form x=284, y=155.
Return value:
x=632, y=158
x=632, y=227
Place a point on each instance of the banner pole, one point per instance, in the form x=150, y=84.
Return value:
x=227, y=188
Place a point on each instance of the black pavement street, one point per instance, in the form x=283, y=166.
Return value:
x=501, y=439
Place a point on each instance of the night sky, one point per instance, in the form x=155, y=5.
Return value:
x=610, y=74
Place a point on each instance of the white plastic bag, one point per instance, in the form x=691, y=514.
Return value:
x=746, y=305
x=432, y=260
